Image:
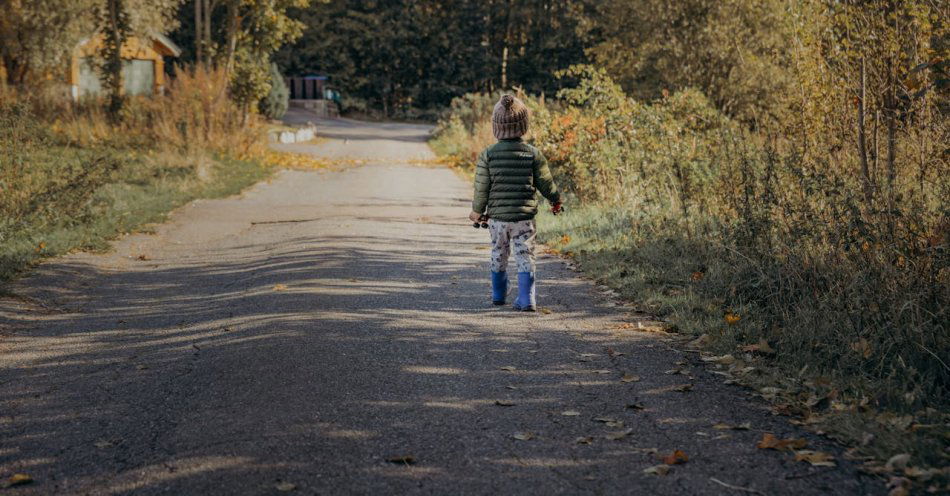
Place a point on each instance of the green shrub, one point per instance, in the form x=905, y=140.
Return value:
x=274, y=104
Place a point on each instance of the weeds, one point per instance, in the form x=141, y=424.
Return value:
x=71, y=179
x=743, y=236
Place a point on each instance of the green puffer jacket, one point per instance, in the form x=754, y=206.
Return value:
x=508, y=177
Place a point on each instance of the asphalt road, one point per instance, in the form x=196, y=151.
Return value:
x=293, y=339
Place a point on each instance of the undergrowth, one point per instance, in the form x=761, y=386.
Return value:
x=832, y=295
x=71, y=178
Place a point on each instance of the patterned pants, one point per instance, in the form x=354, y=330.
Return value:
x=503, y=235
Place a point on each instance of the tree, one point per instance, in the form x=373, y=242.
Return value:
x=36, y=36
x=274, y=104
x=735, y=51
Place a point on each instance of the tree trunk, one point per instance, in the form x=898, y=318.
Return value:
x=199, y=38
x=862, y=137
x=208, y=7
x=234, y=23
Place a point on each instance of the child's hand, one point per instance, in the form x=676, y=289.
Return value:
x=475, y=217
x=557, y=208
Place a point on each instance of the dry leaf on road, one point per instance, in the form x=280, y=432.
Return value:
x=769, y=441
x=618, y=435
x=676, y=457
x=19, y=480
x=280, y=287
x=815, y=458
x=523, y=436
x=629, y=378
x=657, y=470
x=761, y=347
x=584, y=440
x=285, y=487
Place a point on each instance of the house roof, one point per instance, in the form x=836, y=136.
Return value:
x=168, y=47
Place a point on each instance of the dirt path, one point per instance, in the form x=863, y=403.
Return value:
x=298, y=336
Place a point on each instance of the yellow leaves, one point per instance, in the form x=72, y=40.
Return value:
x=675, y=458
x=280, y=287
x=732, y=318
x=565, y=239
x=769, y=441
x=40, y=247
x=19, y=480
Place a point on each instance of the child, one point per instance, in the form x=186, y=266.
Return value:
x=507, y=178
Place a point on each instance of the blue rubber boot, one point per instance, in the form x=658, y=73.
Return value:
x=526, y=296
x=499, y=287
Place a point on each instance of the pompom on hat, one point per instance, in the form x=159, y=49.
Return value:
x=509, y=118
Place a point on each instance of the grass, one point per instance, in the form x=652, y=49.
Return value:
x=124, y=191
x=706, y=290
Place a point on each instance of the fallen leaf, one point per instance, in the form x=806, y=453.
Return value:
x=570, y=413
x=897, y=462
x=675, y=458
x=761, y=347
x=741, y=427
x=697, y=276
x=618, y=435
x=285, y=487
x=769, y=441
x=732, y=318
x=280, y=287
x=662, y=469
x=630, y=378
x=504, y=403
x=509, y=368
x=701, y=342
x=142, y=257
x=584, y=440
x=862, y=347
x=545, y=310
x=815, y=458
x=523, y=436
x=404, y=459
x=635, y=406
x=19, y=480
x=723, y=359
x=683, y=388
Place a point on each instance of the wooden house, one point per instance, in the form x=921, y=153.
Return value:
x=143, y=71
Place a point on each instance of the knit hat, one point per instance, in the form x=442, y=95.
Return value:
x=509, y=119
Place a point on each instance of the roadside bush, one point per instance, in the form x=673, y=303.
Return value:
x=738, y=235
